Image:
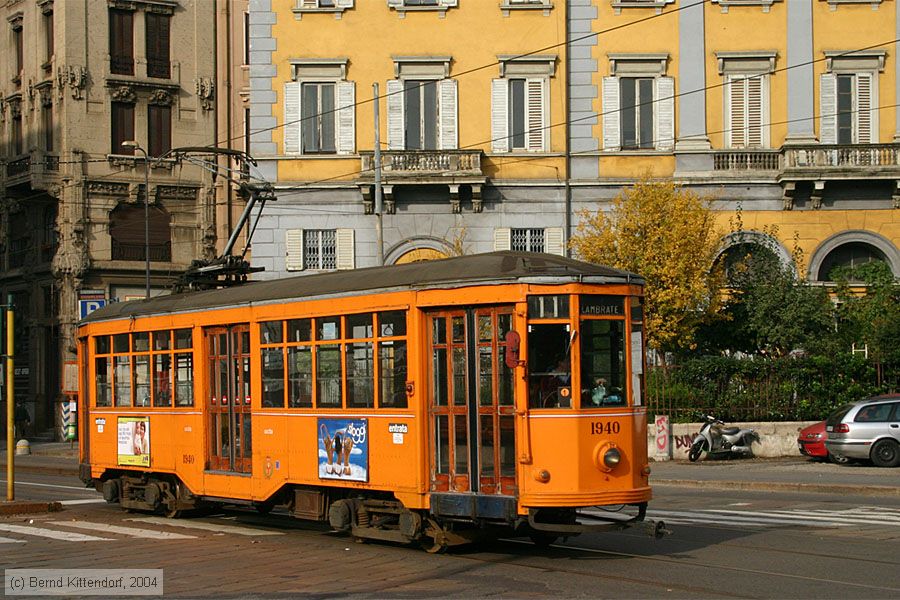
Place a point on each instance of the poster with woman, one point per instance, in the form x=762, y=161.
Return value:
x=134, y=441
x=343, y=449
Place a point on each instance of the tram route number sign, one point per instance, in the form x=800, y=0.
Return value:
x=605, y=427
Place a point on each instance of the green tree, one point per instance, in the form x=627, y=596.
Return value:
x=869, y=312
x=770, y=310
x=667, y=235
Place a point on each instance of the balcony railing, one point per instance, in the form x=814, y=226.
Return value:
x=135, y=252
x=847, y=156
x=19, y=166
x=423, y=163
x=747, y=160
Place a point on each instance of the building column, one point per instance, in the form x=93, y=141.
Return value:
x=800, y=76
x=692, y=79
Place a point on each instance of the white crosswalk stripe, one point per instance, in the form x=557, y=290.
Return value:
x=188, y=524
x=65, y=536
x=851, y=517
x=129, y=531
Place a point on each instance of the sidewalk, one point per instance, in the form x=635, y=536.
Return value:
x=785, y=474
x=788, y=474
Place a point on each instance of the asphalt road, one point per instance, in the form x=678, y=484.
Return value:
x=731, y=544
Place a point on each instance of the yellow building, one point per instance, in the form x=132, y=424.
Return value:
x=500, y=120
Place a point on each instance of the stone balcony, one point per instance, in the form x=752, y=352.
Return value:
x=37, y=169
x=452, y=168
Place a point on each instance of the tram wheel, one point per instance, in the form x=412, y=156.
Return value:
x=264, y=508
x=542, y=539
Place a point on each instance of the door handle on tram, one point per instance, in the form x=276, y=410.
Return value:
x=524, y=437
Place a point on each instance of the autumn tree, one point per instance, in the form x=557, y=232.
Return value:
x=667, y=235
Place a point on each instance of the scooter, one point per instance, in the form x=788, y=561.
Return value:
x=717, y=440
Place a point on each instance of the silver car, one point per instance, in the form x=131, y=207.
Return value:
x=869, y=429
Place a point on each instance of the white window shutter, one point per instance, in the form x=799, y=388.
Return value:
x=536, y=109
x=502, y=238
x=447, y=95
x=554, y=241
x=500, y=115
x=395, y=3
x=309, y=4
x=611, y=136
x=828, y=108
x=450, y=3
x=345, y=117
x=754, y=111
x=292, y=118
x=345, y=254
x=344, y=3
x=866, y=118
x=735, y=87
x=396, y=129
x=293, y=243
x=664, y=95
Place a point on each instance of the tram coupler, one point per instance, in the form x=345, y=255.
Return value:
x=592, y=523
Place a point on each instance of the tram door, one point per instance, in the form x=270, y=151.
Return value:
x=471, y=402
x=228, y=352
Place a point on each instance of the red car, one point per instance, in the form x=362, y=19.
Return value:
x=811, y=442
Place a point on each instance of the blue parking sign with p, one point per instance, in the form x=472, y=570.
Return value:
x=86, y=307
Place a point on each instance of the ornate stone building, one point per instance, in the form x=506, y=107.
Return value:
x=79, y=77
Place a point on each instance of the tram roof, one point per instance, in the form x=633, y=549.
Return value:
x=492, y=268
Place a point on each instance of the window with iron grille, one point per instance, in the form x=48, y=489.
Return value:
x=527, y=240
x=320, y=250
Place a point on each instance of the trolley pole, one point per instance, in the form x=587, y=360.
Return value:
x=379, y=225
x=10, y=406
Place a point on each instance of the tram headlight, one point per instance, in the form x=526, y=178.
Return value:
x=612, y=457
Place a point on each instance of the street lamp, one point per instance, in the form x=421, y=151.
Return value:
x=136, y=146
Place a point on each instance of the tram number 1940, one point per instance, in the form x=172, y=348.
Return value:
x=604, y=427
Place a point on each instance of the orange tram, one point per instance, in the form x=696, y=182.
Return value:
x=435, y=402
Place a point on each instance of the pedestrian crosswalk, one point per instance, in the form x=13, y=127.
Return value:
x=746, y=517
x=90, y=531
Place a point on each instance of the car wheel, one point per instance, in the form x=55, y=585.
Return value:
x=838, y=460
x=885, y=453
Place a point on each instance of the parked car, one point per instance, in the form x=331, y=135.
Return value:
x=869, y=429
x=811, y=442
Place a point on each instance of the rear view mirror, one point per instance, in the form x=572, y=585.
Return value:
x=512, y=349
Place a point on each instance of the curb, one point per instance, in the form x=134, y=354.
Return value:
x=27, y=507
x=776, y=486
x=41, y=469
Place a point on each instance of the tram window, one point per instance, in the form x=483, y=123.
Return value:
x=273, y=377
x=460, y=393
x=140, y=342
x=487, y=445
x=549, y=366
x=142, y=380
x=162, y=340
x=392, y=323
x=359, y=326
x=328, y=328
x=162, y=379
x=602, y=363
x=328, y=376
x=101, y=344
x=271, y=332
x=300, y=376
x=442, y=443
x=393, y=374
x=360, y=374
x=548, y=307
x=183, y=339
x=507, y=446
x=299, y=330
x=486, y=375
x=184, y=379
x=104, y=377
x=120, y=343
x=122, y=379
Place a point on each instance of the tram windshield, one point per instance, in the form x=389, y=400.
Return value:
x=602, y=363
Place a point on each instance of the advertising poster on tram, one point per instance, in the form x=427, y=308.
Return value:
x=343, y=449
x=134, y=441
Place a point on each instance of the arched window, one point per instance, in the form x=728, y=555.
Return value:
x=740, y=258
x=850, y=255
x=126, y=229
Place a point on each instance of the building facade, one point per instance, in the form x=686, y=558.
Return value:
x=501, y=121
x=78, y=78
